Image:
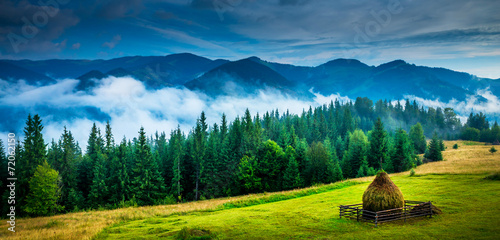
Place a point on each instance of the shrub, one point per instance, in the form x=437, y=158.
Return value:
x=494, y=176
x=412, y=172
x=493, y=150
x=455, y=146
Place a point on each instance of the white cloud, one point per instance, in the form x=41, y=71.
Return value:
x=130, y=105
x=491, y=106
x=112, y=44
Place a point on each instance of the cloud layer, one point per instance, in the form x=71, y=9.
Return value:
x=128, y=105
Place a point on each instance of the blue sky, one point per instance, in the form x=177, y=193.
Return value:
x=456, y=34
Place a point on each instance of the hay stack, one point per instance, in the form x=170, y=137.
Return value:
x=382, y=194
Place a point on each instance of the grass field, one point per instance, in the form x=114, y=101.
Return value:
x=470, y=205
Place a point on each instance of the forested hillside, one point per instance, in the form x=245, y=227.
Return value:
x=270, y=152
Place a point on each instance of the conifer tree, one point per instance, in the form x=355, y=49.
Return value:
x=199, y=148
x=378, y=145
x=356, y=153
x=211, y=166
x=176, y=153
x=147, y=184
x=319, y=164
x=402, y=151
x=291, y=176
x=232, y=152
x=110, y=141
x=119, y=175
x=246, y=175
x=417, y=138
x=300, y=153
x=98, y=194
x=66, y=155
x=32, y=155
x=433, y=153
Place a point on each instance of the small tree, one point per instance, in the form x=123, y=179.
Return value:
x=455, y=146
x=492, y=150
x=433, y=153
x=44, y=192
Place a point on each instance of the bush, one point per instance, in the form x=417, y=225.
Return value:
x=412, y=172
x=495, y=176
x=493, y=150
x=455, y=146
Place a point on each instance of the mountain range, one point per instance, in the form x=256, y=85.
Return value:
x=347, y=77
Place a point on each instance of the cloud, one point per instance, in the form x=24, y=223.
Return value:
x=115, y=9
x=491, y=106
x=128, y=105
x=33, y=28
x=76, y=46
x=112, y=44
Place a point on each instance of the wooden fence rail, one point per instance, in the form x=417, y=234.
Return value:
x=411, y=209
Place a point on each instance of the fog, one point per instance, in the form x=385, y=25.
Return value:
x=128, y=105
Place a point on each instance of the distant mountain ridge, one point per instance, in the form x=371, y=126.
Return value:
x=347, y=77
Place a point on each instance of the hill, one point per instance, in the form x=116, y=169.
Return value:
x=347, y=77
x=240, y=77
x=455, y=185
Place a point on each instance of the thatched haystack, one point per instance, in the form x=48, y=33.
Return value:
x=382, y=194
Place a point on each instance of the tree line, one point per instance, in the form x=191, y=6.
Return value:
x=250, y=154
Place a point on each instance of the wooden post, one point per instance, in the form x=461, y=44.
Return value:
x=340, y=212
x=357, y=214
x=376, y=219
x=430, y=207
x=404, y=212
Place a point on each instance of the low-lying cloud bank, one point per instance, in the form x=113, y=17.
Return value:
x=472, y=104
x=128, y=105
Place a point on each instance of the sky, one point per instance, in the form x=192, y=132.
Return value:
x=456, y=34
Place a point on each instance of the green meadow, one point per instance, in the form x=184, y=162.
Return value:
x=470, y=205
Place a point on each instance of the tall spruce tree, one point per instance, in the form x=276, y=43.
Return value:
x=291, y=176
x=176, y=153
x=212, y=165
x=356, y=153
x=99, y=191
x=402, y=152
x=147, y=184
x=119, y=175
x=377, y=153
x=417, y=138
x=33, y=154
x=66, y=156
x=319, y=169
x=199, y=149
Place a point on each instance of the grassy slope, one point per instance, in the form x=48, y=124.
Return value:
x=470, y=207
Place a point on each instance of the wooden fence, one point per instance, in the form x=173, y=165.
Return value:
x=411, y=209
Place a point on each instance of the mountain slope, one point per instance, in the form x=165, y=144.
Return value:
x=240, y=77
x=348, y=77
x=12, y=73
